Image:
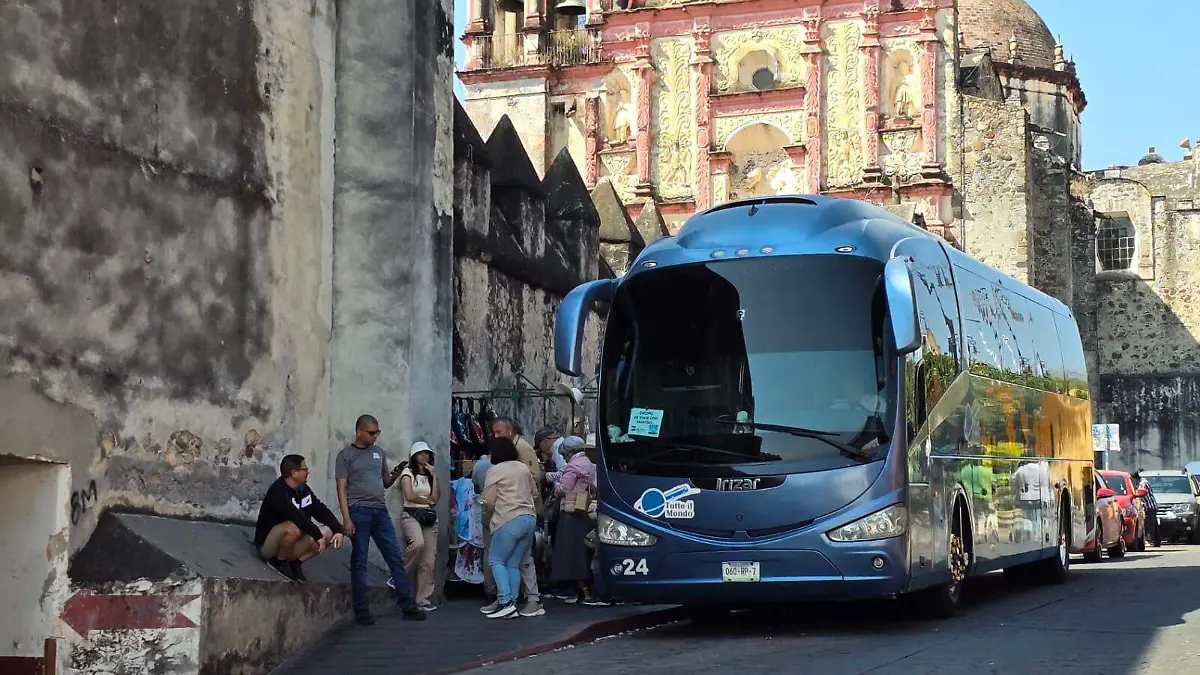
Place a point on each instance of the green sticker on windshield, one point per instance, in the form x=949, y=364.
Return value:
x=645, y=422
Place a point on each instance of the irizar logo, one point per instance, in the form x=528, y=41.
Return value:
x=658, y=504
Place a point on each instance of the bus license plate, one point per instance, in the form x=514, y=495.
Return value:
x=739, y=572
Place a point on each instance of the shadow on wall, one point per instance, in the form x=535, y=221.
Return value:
x=520, y=244
x=1148, y=378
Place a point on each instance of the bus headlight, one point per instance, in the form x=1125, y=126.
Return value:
x=883, y=524
x=613, y=532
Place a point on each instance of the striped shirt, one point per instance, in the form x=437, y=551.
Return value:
x=1149, y=500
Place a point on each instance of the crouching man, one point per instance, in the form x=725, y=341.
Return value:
x=293, y=525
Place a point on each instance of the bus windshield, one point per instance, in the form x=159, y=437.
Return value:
x=769, y=365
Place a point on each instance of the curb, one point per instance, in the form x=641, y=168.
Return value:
x=580, y=633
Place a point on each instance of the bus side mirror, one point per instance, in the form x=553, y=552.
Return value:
x=902, y=305
x=571, y=320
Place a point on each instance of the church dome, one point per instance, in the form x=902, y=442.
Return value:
x=992, y=23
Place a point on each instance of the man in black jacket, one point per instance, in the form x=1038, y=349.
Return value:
x=293, y=525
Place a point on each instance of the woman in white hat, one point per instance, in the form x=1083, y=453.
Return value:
x=419, y=521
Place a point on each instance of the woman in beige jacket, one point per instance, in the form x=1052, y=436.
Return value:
x=511, y=500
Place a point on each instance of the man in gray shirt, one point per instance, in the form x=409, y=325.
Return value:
x=362, y=478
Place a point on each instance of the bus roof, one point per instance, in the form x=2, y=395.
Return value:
x=805, y=225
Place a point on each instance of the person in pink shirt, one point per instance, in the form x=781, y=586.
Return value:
x=571, y=559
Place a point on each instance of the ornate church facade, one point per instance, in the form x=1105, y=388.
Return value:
x=690, y=104
x=961, y=115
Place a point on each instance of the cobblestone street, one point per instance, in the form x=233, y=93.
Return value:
x=1137, y=615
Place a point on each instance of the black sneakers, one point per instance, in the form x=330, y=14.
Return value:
x=364, y=619
x=284, y=567
x=414, y=614
x=298, y=571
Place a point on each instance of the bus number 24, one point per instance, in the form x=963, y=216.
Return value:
x=629, y=568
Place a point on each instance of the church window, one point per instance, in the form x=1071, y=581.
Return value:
x=763, y=79
x=1116, y=239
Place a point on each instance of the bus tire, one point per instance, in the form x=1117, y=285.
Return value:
x=1057, y=568
x=943, y=600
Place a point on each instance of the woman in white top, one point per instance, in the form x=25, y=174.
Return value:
x=419, y=521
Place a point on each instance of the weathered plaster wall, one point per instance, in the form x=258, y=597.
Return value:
x=995, y=198
x=1148, y=319
x=393, y=231
x=164, y=202
x=526, y=102
x=34, y=555
x=173, y=650
x=520, y=245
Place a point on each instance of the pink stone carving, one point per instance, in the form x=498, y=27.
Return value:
x=646, y=73
x=592, y=128
x=929, y=100
x=813, y=122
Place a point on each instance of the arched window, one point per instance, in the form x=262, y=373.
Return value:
x=1116, y=239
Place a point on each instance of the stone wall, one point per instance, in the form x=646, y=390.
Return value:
x=166, y=208
x=994, y=190
x=521, y=244
x=1148, y=318
x=190, y=285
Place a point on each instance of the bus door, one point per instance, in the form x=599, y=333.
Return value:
x=928, y=373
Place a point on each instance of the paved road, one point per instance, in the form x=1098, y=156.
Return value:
x=1136, y=615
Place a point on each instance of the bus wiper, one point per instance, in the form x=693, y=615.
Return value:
x=684, y=447
x=823, y=436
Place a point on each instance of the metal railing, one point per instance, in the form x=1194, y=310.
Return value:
x=500, y=51
x=560, y=48
x=572, y=47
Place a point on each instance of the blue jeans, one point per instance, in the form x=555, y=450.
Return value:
x=374, y=522
x=509, y=545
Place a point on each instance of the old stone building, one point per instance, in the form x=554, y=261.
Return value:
x=1147, y=300
x=689, y=104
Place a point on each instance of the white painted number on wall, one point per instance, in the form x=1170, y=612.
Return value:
x=629, y=568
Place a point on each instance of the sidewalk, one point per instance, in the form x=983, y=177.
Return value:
x=457, y=637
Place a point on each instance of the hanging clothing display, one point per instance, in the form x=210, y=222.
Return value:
x=468, y=530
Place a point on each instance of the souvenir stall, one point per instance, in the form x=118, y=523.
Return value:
x=472, y=414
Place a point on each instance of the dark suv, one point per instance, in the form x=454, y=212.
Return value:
x=1178, y=498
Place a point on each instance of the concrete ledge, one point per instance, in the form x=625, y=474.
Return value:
x=194, y=598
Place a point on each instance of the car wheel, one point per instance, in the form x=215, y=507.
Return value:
x=1118, y=550
x=1097, y=552
x=1139, y=542
x=1056, y=569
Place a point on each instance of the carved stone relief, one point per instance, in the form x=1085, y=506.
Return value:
x=844, y=107
x=903, y=159
x=791, y=122
x=620, y=115
x=620, y=168
x=902, y=80
x=785, y=43
x=671, y=164
x=768, y=172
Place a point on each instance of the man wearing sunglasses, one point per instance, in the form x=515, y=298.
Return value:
x=363, y=478
x=293, y=525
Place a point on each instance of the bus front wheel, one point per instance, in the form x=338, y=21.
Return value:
x=942, y=601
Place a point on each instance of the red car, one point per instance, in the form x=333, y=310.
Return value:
x=1108, y=534
x=1133, y=514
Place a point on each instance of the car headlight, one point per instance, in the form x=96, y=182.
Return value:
x=615, y=533
x=883, y=524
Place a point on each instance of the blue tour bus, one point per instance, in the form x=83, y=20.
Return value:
x=804, y=397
